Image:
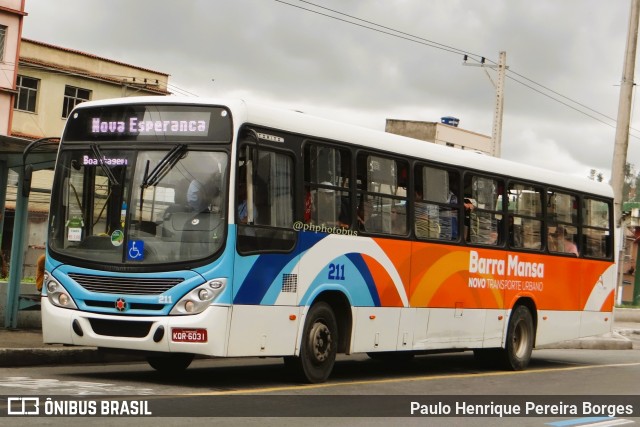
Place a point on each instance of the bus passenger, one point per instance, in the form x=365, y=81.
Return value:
x=308, y=205
x=562, y=241
x=200, y=195
x=469, y=207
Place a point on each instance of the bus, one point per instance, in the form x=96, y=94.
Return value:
x=184, y=227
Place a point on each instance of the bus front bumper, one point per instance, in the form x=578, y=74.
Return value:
x=204, y=333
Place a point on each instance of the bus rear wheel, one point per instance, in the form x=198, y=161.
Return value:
x=171, y=362
x=520, y=333
x=318, y=347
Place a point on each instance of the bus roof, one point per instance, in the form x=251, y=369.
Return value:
x=304, y=124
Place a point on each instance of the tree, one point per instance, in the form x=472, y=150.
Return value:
x=594, y=175
x=631, y=181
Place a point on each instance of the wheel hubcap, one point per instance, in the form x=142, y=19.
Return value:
x=320, y=340
x=520, y=340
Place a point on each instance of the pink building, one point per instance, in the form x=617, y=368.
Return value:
x=11, y=15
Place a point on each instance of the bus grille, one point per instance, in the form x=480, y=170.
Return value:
x=124, y=285
x=290, y=283
x=130, y=305
x=120, y=328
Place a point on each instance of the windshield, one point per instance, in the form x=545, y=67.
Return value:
x=139, y=207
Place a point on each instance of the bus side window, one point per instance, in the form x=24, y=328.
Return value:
x=327, y=199
x=269, y=180
x=596, y=231
x=436, y=203
x=382, y=191
x=525, y=216
x=562, y=224
x=486, y=215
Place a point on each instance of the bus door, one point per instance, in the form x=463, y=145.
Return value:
x=265, y=271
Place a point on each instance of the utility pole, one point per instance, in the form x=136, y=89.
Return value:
x=496, y=132
x=621, y=144
x=624, y=114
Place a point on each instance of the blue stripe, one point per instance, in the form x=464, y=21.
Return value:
x=362, y=267
x=260, y=277
x=267, y=268
x=579, y=421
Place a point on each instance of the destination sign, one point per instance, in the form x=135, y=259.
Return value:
x=149, y=123
x=197, y=126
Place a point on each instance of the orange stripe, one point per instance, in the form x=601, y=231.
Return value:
x=438, y=275
x=387, y=291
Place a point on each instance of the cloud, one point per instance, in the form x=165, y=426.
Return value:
x=273, y=52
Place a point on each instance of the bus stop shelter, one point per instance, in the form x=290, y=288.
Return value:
x=16, y=154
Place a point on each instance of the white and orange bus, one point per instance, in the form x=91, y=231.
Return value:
x=182, y=227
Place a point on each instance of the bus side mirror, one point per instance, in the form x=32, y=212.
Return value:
x=26, y=180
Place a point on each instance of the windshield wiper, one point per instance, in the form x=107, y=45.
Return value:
x=98, y=154
x=163, y=167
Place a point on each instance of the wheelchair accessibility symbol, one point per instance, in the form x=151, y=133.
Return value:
x=135, y=250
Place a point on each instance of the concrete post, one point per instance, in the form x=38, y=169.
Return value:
x=496, y=134
x=636, y=279
x=17, y=258
x=624, y=114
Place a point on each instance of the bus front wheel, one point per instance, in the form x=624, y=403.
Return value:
x=517, y=352
x=318, y=345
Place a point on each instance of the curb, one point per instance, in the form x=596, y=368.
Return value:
x=626, y=315
x=610, y=341
x=17, y=357
x=22, y=357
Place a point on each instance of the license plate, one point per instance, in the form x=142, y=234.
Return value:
x=188, y=335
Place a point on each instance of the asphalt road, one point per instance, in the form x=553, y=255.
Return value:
x=361, y=391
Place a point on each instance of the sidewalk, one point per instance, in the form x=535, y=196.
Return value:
x=23, y=347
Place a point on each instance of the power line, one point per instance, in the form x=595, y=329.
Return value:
x=563, y=103
x=444, y=46
x=398, y=34
x=563, y=96
x=430, y=43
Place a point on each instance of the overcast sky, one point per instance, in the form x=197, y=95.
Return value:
x=275, y=52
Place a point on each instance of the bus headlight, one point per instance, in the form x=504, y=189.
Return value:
x=57, y=294
x=198, y=299
x=203, y=294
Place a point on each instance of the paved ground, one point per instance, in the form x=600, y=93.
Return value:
x=20, y=347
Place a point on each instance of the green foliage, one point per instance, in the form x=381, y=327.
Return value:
x=627, y=305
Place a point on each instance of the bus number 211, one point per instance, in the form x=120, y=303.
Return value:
x=336, y=271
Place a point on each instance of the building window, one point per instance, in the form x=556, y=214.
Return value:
x=72, y=97
x=27, y=88
x=3, y=36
